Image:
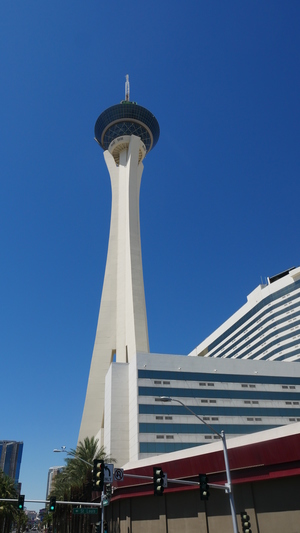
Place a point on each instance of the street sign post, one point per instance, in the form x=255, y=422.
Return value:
x=119, y=474
x=108, y=472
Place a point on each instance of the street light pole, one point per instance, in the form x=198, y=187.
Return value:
x=222, y=436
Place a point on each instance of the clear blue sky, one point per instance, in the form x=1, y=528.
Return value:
x=219, y=196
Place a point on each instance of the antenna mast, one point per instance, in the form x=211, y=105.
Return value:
x=127, y=89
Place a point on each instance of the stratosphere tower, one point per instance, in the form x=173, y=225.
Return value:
x=126, y=132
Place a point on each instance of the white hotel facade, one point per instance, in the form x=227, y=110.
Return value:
x=244, y=378
x=267, y=327
x=234, y=395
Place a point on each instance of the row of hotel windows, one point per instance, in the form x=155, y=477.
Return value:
x=144, y=446
x=204, y=418
x=208, y=437
x=168, y=445
x=250, y=408
x=202, y=384
x=270, y=324
x=165, y=447
x=198, y=429
x=270, y=340
x=216, y=418
x=171, y=437
x=266, y=302
x=160, y=377
x=226, y=394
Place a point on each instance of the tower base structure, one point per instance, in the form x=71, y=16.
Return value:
x=122, y=329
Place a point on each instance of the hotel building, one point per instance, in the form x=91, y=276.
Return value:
x=244, y=378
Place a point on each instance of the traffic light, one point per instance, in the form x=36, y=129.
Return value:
x=52, y=504
x=245, y=522
x=98, y=474
x=108, y=491
x=204, y=492
x=21, y=502
x=158, y=479
x=108, y=494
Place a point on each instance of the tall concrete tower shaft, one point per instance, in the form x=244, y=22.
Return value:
x=127, y=132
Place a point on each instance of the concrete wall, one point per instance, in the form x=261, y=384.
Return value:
x=116, y=427
x=273, y=507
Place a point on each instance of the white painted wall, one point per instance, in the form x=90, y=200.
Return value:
x=116, y=419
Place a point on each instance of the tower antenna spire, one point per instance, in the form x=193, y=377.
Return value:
x=127, y=88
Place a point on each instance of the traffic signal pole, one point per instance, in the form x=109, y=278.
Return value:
x=102, y=511
x=227, y=486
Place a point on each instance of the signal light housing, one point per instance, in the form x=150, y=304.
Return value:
x=204, y=492
x=108, y=491
x=98, y=474
x=52, y=504
x=158, y=480
x=246, y=522
x=21, y=502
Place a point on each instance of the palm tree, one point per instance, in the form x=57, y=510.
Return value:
x=86, y=452
x=74, y=482
x=78, y=471
x=8, y=511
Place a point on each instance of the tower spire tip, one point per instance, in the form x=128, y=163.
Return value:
x=127, y=88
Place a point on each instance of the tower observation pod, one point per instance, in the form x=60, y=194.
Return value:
x=126, y=132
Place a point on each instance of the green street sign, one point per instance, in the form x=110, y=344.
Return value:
x=85, y=510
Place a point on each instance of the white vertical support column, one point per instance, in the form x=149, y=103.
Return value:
x=119, y=182
x=122, y=324
x=135, y=314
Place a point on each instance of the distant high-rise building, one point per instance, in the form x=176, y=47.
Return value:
x=10, y=458
x=266, y=328
x=127, y=132
x=52, y=473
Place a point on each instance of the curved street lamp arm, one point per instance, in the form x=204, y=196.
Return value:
x=73, y=454
x=168, y=399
